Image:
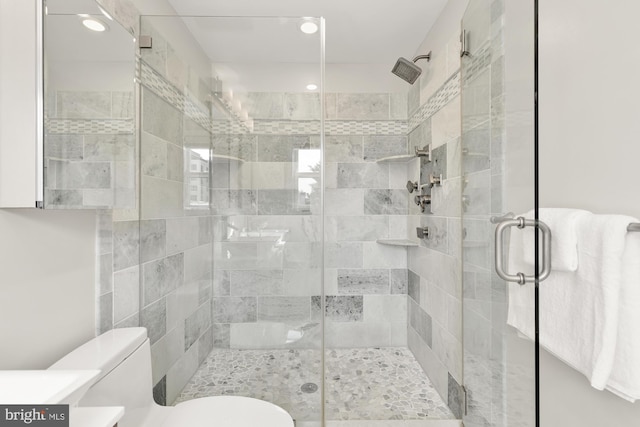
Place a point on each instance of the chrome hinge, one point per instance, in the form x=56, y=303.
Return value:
x=464, y=50
x=465, y=400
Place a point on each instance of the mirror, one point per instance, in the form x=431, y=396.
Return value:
x=89, y=140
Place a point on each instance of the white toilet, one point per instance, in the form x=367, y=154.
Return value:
x=124, y=358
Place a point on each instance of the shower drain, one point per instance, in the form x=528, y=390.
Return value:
x=309, y=388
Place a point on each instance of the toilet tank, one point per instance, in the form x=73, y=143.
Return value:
x=123, y=357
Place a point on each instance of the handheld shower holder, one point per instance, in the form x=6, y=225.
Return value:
x=434, y=180
x=424, y=152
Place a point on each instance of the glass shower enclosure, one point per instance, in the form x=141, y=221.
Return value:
x=269, y=258
x=498, y=167
x=232, y=178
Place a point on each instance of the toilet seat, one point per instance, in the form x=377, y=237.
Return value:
x=227, y=411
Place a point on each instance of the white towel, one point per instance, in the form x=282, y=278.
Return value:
x=625, y=377
x=579, y=310
x=564, y=244
x=521, y=310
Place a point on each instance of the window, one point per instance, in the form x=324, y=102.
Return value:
x=307, y=177
x=197, y=178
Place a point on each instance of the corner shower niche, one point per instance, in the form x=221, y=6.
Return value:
x=408, y=162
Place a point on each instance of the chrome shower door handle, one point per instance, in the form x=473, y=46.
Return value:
x=521, y=223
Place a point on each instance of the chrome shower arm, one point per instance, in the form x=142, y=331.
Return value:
x=419, y=57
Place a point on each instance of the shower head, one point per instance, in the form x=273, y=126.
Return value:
x=407, y=70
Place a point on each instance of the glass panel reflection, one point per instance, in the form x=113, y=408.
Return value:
x=89, y=144
x=249, y=167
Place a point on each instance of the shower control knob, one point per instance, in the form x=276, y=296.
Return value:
x=412, y=186
x=435, y=180
x=422, y=201
x=422, y=232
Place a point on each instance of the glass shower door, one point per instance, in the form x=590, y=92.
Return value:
x=498, y=168
x=232, y=169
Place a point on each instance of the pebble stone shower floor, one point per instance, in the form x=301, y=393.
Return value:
x=362, y=383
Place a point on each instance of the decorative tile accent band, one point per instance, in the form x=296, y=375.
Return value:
x=477, y=63
x=197, y=112
x=194, y=109
x=89, y=126
x=217, y=127
x=449, y=90
x=332, y=127
x=310, y=127
x=366, y=128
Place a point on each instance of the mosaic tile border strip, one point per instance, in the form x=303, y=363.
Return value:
x=155, y=82
x=449, y=90
x=332, y=127
x=89, y=126
x=351, y=127
x=225, y=127
x=311, y=127
x=476, y=64
x=199, y=114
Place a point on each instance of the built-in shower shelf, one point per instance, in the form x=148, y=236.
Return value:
x=403, y=158
x=219, y=158
x=397, y=242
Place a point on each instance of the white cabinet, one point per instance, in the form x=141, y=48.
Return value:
x=21, y=104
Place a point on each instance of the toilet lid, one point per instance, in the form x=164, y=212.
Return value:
x=227, y=411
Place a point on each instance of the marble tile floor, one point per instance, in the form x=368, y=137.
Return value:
x=362, y=383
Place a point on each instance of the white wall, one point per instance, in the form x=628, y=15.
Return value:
x=91, y=76
x=589, y=152
x=448, y=22
x=46, y=285
x=590, y=127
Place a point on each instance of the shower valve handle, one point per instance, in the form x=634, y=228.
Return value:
x=422, y=201
x=435, y=180
x=412, y=186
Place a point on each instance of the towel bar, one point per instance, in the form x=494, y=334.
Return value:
x=634, y=226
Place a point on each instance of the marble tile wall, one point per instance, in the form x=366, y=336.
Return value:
x=90, y=165
x=267, y=280
x=434, y=267
x=365, y=201
x=156, y=257
x=265, y=288
x=176, y=233
x=484, y=293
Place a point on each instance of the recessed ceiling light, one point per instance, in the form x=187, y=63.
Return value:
x=312, y=86
x=309, y=27
x=94, y=24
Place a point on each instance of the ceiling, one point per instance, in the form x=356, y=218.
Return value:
x=357, y=31
x=364, y=38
